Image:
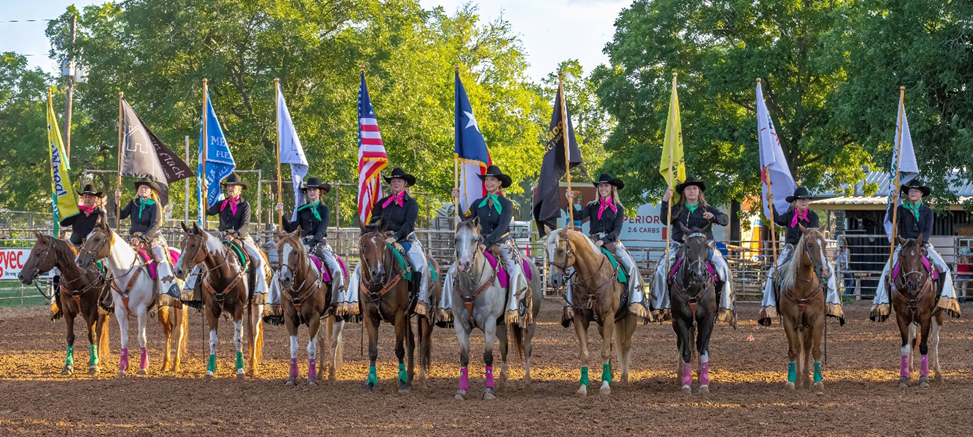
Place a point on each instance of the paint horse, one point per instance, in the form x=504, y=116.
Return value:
x=802, y=286
x=306, y=297
x=598, y=296
x=134, y=292
x=227, y=290
x=480, y=288
x=694, y=301
x=913, y=297
x=79, y=294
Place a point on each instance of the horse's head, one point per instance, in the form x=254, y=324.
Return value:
x=96, y=246
x=813, y=246
x=42, y=258
x=468, y=241
x=913, y=273
x=291, y=256
x=372, y=250
x=696, y=253
x=560, y=256
x=194, y=250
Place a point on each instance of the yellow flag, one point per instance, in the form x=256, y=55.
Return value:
x=672, y=166
x=66, y=204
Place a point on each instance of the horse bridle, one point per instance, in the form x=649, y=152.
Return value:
x=694, y=300
x=298, y=295
x=592, y=294
x=913, y=299
x=469, y=299
x=75, y=294
x=818, y=292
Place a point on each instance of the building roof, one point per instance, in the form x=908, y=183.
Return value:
x=832, y=201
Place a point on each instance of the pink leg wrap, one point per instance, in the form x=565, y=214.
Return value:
x=464, y=382
x=687, y=374
x=143, y=359
x=489, y=377
x=293, y=372
x=123, y=360
x=704, y=374
x=924, y=366
x=904, y=370
x=312, y=370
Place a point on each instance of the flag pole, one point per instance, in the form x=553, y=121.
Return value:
x=898, y=160
x=770, y=203
x=455, y=174
x=567, y=147
x=672, y=143
x=280, y=192
x=118, y=183
x=205, y=194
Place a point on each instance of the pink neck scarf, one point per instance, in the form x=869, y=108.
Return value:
x=232, y=202
x=397, y=198
x=605, y=203
x=798, y=215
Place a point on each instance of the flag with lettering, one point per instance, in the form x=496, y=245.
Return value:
x=144, y=155
x=218, y=159
x=371, y=155
x=470, y=150
x=775, y=175
x=64, y=202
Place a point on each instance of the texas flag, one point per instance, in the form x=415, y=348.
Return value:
x=471, y=151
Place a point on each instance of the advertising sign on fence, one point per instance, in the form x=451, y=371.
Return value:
x=12, y=262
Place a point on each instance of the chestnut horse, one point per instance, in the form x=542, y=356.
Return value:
x=802, y=287
x=79, y=294
x=913, y=297
x=226, y=290
x=598, y=296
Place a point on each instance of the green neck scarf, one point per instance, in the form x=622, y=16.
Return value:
x=314, y=209
x=496, y=202
x=692, y=208
x=913, y=208
x=146, y=202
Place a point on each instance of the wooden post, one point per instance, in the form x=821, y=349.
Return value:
x=203, y=157
x=895, y=183
x=567, y=144
x=118, y=184
x=672, y=136
x=280, y=193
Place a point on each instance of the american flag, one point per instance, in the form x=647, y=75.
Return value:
x=371, y=155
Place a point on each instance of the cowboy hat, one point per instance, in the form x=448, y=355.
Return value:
x=89, y=190
x=494, y=171
x=316, y=183
x=398, y=173
x=691, y=181
x=606, y=178
x=235, y=179
x=799, y=193
x=151, y=184
x=917, y=185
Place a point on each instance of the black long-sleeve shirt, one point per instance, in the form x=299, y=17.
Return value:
x=694, y=220
x=311, y=227
x=909, y=227
x=147, y=222
x=239, y=222
x=610, y=223
x=494, y=226
x=793, y=234
x=399, y=219
x=82, y=225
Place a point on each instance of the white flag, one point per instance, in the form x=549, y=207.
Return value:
x=773, y=165
x=291, y=151
x=908, y=168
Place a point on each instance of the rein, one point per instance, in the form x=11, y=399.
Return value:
x=207, y=285
x=695, y=299
x=374, y=295
x=301, y=293
x=913, y=300
x=76, y=294
x=802, y=303
x=592, y=294
x=468, y=299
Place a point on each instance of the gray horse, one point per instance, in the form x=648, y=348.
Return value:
x=480, y=303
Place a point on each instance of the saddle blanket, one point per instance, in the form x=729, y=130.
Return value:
x=153, y=266
x=325, y=274
x=925, y=263
x=709, y=269
x=502, y=275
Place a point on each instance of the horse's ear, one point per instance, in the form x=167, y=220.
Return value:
x=196, y=227
x=803, y=229
x=476, y=222
x=901, y=240
x=684, y=229
x=708, y=227
x=919, y=239
x=297, y=232
x=184, y=227
x=38, y=235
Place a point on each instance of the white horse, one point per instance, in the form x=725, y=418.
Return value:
x=133, y=290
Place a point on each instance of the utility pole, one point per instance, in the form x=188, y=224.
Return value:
x=68, y=73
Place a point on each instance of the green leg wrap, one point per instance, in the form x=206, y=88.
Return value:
x=239, y=360
x=817, y=371
x=93, y=360
x=584, y=376
x=403, y=377
x=606, y=372
x=791, y=372
x=211, y=366
x=69, y=360
x=372, y=376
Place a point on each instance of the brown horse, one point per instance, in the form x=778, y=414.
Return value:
x=384, y=294
x=226, y=286
x=913, y=296
x=598, y=296
x=79, y=293
x=801, y=286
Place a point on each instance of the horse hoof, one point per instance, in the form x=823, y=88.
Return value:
x=582, y=391
x=605, y=390
x=121, y=373
x=67, y=370
x=291, y=382
x=405, y=389
x=312, y=383
x=704, y=389
x=903, y=382
x=332, y=378
x=460, y=395
x=687, y=389
x=369, y=386
x=94, y=370
x=488, y=395
x=529, y=389
x=143, y=372
x=208, y=376
x=818, y=388
x=923, y=382
x=240, y=376
x=789, y=386
x=938, y=379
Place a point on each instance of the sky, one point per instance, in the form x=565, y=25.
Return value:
x=551, y=30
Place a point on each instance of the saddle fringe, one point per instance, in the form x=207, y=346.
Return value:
x=444, y=316
x=638, y=310
x=663, y=315
x=769, y=314
x=347, y=309
x=834, y=310
x=727, y=316
x=195, y=304
x=274, y=315
x=880, y=312
x=56, y=312
x=949, y=305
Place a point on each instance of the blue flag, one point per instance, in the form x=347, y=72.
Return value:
x=219, y=160
x=471, y=151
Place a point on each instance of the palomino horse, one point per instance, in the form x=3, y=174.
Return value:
x=478, y=287
x=913, y=296
x=692, y=293
x=305, y=299
x=598, y=296
x=802, y=287
x=79, y=293
x=385, y=297
x=226, y=287
x=133, y=291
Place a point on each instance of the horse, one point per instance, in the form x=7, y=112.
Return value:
x=226, y=290
x=136, y=291
x=478, y=287
x=598, y=296
x=305, y=299
x=913, y=297
x=801, y=288
x=79, y=294
x=693, y=297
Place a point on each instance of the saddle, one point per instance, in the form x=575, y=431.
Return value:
x=152, y=264
x=236, y=246
x=620, y=273
x=325, y=271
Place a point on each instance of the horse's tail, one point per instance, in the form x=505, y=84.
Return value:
x=103, y=324
x=518, y=333
x=184, y=322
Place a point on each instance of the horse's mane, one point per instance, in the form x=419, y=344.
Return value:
x=790, y=273
x=555, y=238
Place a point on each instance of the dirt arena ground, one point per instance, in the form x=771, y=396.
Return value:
x=748, y=397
